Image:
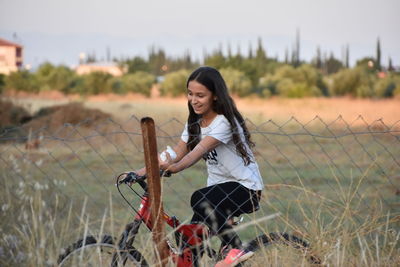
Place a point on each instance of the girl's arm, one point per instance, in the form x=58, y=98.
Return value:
x=207, y=144
x=180, y=150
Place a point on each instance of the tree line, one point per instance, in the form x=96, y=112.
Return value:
x=254, y=74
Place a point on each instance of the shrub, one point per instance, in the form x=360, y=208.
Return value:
x=139, y=82
x=115, y=85
x=346, y=81
x=95, y=83
x=21, y=81
x=385, y=87
x=358, y=82
x=174, y=83
x=293, y=82
x=2, y=82
x=365, y=91
x=236, y=81
x=59, y=78
x=267, y=85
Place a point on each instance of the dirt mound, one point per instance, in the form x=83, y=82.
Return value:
x=17, y=125
x=12, y=115
x=52, y=118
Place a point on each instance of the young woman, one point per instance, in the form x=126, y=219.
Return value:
x=216, y=132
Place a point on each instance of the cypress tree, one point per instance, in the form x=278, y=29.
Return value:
x=297, y=48
x=229, y=51
x=261, y=55
x=318, y=60
x=250, y=56
x=286, y=56
x=390, y=65
x=378, y=55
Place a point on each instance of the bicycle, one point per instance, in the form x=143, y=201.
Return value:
x=189, y=245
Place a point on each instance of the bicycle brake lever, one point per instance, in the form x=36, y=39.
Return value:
x=131, y=177
x=165, y=173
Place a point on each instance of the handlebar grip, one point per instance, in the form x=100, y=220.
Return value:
x=131, y=177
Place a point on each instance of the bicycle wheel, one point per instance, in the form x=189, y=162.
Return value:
x=280, y=249
x=89, y=252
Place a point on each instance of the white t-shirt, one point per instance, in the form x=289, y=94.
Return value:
x=224, y=164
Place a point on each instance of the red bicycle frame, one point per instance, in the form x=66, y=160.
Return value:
x=192, y=234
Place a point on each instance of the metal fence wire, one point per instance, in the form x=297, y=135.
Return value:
x=313, y=172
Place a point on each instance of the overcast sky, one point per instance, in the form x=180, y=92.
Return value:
x=58, y=30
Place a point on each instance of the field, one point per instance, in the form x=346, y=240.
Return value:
x=330, y=166
x=277, y=109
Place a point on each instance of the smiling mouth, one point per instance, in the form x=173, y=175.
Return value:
x=196, y=107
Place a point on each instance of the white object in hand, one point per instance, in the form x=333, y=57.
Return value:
x=171, y=152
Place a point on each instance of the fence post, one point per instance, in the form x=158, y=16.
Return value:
x=154, y=183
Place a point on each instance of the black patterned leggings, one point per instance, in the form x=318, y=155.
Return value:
x=215, y=204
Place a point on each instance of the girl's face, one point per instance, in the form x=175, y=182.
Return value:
x=200, y=98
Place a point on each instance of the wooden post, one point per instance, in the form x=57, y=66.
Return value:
x=154, y=184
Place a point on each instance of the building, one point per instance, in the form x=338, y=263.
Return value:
x=108, y=67
x=10, y=56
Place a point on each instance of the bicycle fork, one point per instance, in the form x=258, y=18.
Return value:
x=126, y=241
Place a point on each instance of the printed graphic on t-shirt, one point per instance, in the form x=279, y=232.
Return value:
x=211, y=157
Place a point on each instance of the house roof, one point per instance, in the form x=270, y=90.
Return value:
x=102, y=64
x=4, y=42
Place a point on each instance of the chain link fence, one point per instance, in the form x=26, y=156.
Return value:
x=321, y=178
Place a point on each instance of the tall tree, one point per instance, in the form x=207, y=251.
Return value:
x=157, y=59
x=390, y=65
x=318, y=59
x=261, y=55
x=332, y=64
x=137, y=64
x=297, y=49
x=347, y=57
x=216, y=59
x=293, y=59
x=229, y=50
x=378, y=54
x=260, y=62
x=286, y=56
x=250, y=56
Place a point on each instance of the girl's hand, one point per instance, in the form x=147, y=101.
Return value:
x=164, y=164
x=168, y=165
x=140, y=172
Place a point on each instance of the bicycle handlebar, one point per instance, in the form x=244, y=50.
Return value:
x=132, y=177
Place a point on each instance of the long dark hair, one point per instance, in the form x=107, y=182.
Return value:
x=224, y=104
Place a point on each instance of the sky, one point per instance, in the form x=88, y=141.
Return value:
x=59, y=30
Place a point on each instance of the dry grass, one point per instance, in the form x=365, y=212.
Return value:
x=40, y=226
x=277, y=109
x=326, y=108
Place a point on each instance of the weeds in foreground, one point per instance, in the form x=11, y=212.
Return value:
x=39, y=224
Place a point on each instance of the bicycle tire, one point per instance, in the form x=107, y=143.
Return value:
x=105, y=247
x=266, y=240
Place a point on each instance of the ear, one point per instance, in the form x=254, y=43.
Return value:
x=215, y=98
